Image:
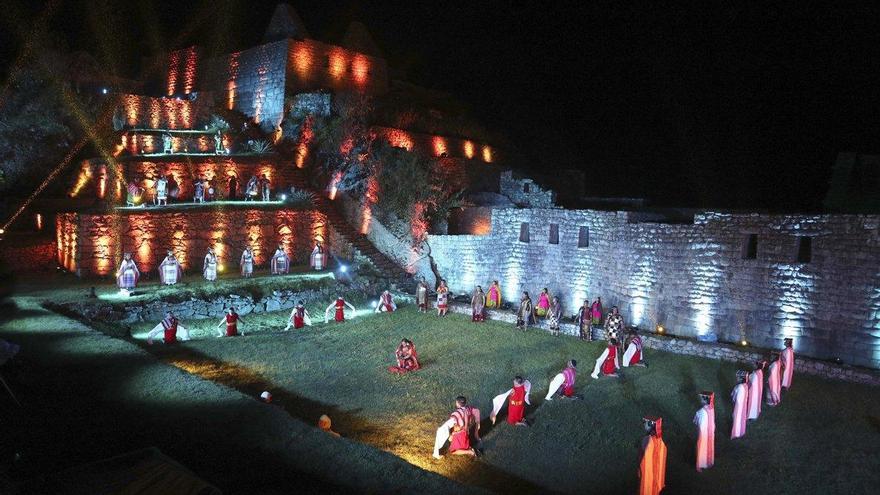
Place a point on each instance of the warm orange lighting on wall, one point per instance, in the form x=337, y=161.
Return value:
x=186, y=114
x=102, y=182
x=302, y=60
x=346, y=146
x=336, y=63
x=360, y=68
x=189, y=76
x=371, y=197
x=85, y=173
x=487, y=154
x=400, y=139
x=38, y=218
x=333, y=185
x=131, y=106
x=231, y=85
x=468, y=149
x=483, y=226
x=439, y=145
x=173, y=65
x=155, y=113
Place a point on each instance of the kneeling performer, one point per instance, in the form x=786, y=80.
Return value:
x=563, y=383
x=464, y=419
x=516, y=399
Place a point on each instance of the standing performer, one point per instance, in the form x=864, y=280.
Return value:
x=386, y=303
x=705, y=421
x=134, y=194
x=162, y=191
x=525, y=313
x=774, y=380
x=422, y=296
x=478, y=303
x=607, y=361
x=232, y=188
x=128, y=274
x=317, y=257
x=516, y=400
x=740, y=398
x=280, y=261
x=787, y=364
x=252, y=189
x=462, y=421
x=209, y=267
x=633, y=354
x=596, y=311
x=652, y=468
x=218, y=143
x=168, y=327
x=299, y=317
x=756, y=389
x=554, y=315
x=170, y=270
x=199, y=190
x=265, y=187
x=407, y=358
x=563, y=383
x=543, y=303
x=614, y=325
x=247, y=262
x=442, y=299
x=340, y=305
x=584, y=321
x=167, y=143
x=493, y=297
x=231, y=319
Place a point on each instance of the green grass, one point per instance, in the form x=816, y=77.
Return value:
x=820, y=440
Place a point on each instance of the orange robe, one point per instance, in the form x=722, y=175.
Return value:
x=653, y=468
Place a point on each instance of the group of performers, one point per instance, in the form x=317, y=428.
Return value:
x=750, y=389
x=171, y=270
x=166, y=187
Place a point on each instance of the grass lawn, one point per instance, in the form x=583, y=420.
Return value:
x=821, y=439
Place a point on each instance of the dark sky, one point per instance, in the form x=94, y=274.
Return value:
x=721, y=107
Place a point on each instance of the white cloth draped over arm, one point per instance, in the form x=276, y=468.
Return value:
x=326, y=311
x=555, y=383
x=628, y=355
x=290, y=319
x=528, y=385
x=442, y=435
x=498, y=403
x=306, y=319
x=600, y=361
x=184, y=330
x=155, y=331
x=349, y=305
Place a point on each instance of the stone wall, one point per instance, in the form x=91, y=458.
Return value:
x=216, y=170
x=146, y=112
x=433, y=145
x=312, y=65
x=93, y=244
x=28, y=253
x=699, y=280
x=525, y=193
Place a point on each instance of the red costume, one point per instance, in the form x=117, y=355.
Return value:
x=568, y=385
x=340, y=310
x=170, y=326
x=608, y=366
x=299, y=317
x=407, y=359
x=461, y=438
x=231, y=325
x=387, y=303
x=516, y=407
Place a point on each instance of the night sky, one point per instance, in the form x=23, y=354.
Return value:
x=724, y=107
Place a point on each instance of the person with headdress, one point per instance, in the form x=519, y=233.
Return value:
x=299, y=317
x=231, y=319
x=543, y=305
x=614, y=325
x=463, y=422
x=218, y=143
x=407, y=357
x=168, y=327
x=167, y=143
x=554, y=315
x=493, y=297
x=386, y=303
x=756, y=389
x=516, y=399
x=317, y=257
x=562, y=384
x=584, y=322
x=339, y=304
x=199, y=190
x=325, y=425
x=252, y=189
x=128, y=274
x=526, y=312
x=209, y=266
x=705, y=421
x=633, y=355
x=280, y=261
x=170, y=270
x=422, y=296
x=740, y=398
x=607, y=362
x=442, y=299
x=652, y=467
x=478, y=303
x=265, y=187
x=161, y=191
x=787, y=358
x=246, y=262
x=596, y=311
x=774, y=380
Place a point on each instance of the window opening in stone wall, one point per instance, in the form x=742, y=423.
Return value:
x=524, y=232
x=526, y=187
x=554, y=233
x=584, y=237
x=805, y=249
x=750, y=250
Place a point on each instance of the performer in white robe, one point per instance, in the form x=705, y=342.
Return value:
x=563, y=383
x=128, y=274
x=463, y=422
x=170, y=270
x=386, y=303
x=280, y=261
x=774, y=380
x=247, y=262
x=756, y=389
x=209, y=267
x=161, y=191
x=317, y=257
x=519, y=398
x=169, y=328
x=422, y=297
x=705, y=421
x=787, y=358
x=634, y=355
x=740, y=398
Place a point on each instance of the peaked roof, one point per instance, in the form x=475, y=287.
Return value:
x=285, y=23
x=357, y=38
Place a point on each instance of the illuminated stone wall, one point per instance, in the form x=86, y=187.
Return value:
x=92, y=245
x=433, y=145
x=216, y=171
x=692, y=278
x=146, y=112
x=525, y=193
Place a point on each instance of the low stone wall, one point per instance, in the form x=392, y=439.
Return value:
x=677, y=345
x=28, y=253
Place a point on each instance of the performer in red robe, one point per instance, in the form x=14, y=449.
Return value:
x=464, y=421
x=386, y=303
x=407, y=358
x=516, y=399
x=652, y=468
x=231, y=319
x=299, y=317
x=740, y=398
x=563, y=383
x=705, y=421
x=607, y=362
x=633, y=354
x=340, y=305
x=169, y=328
